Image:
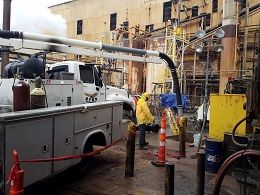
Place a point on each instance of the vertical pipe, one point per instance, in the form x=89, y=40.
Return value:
x=182, y=125
x=6, y=26
x=169, y=178
x=182, y=65
x=245, y=38
x=205, y=102
x=194, y=66
x=179, y=13
x=227, y=66
x=130, y=151
x=200, y=173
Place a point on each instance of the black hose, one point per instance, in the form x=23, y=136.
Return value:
x=11, y=34
x=228, y=163
x=172, y=68
x=234, y=131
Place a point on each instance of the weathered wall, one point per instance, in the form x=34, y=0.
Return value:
x=96, y=27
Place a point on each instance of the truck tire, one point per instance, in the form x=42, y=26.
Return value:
x=84, y=165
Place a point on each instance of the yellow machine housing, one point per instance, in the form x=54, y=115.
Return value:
x=225, y=111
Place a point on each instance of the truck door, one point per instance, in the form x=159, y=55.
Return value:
x=93, y=87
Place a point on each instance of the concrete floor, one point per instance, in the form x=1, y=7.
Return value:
x=107, y=174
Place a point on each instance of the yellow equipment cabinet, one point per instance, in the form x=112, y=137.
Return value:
x=225, y=111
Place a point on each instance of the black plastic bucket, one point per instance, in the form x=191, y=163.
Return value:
x=213, y=155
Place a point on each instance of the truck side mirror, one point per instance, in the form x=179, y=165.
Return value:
x=99, y=72
x=100, y=82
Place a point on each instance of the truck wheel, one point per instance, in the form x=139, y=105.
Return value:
x=85, y=163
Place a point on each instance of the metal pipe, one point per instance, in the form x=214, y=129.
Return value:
x=74, y=42
x=130, y=151
x=6, y=26
x=200, y=173
x=169, y=178
x=257, y=75
x=245, y=37
x=234, y=131
x=100, y=46
x=182, y=133
x=205, y=105
x=228, y=163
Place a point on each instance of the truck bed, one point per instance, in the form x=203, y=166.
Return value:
x=54, y=132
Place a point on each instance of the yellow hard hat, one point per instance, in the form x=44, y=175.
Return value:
x=147, y=95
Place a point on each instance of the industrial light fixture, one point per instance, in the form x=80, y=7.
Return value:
x=200, y=34
x=199, y=47
x=220, y=33
x=218, y=48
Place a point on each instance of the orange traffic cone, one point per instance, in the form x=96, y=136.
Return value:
x=161, y=155
x=16, y=177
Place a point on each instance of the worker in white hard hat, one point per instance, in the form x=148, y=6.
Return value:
x=144, y=118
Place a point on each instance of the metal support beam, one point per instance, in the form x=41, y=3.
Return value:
x=6, y=26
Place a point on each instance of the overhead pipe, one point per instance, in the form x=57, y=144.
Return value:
x=100, y=46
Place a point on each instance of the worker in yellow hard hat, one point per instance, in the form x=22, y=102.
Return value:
x=144, y=118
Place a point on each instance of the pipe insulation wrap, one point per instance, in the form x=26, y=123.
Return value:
x=124, y=49
x=61, y=40
x=152, y=53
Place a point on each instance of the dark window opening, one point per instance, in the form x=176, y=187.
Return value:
x=125, y=27
x=58, y=71
x=98, y=81
x=167, y=10
x=86, y=74
x=214, y=6
x=149, y=28
x=194, y=11
x=113, y=21
x=79, y=27
x=207, y=19
x=242, y=4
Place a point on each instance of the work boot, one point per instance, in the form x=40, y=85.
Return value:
x=143, y=147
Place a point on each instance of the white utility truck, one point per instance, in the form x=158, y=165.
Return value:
x=94, y=89
x=77, y=117
x=61, y=77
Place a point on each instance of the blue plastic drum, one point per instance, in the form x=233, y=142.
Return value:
x=213, y=155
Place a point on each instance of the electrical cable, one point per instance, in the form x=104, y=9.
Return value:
x=234, y=131
x=244, y=159
x=228, y=163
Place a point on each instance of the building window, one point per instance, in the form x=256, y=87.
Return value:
x=149, y=28
x=79, y=27
x=242, y=4
x=113, y=21
x=167, y=10
x=214, y=6
x=125, y=27
x=194, y=11
x=207, y=19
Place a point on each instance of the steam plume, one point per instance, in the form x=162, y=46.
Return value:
x=34, y=16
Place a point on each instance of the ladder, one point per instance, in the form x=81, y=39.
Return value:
x=172, y=121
